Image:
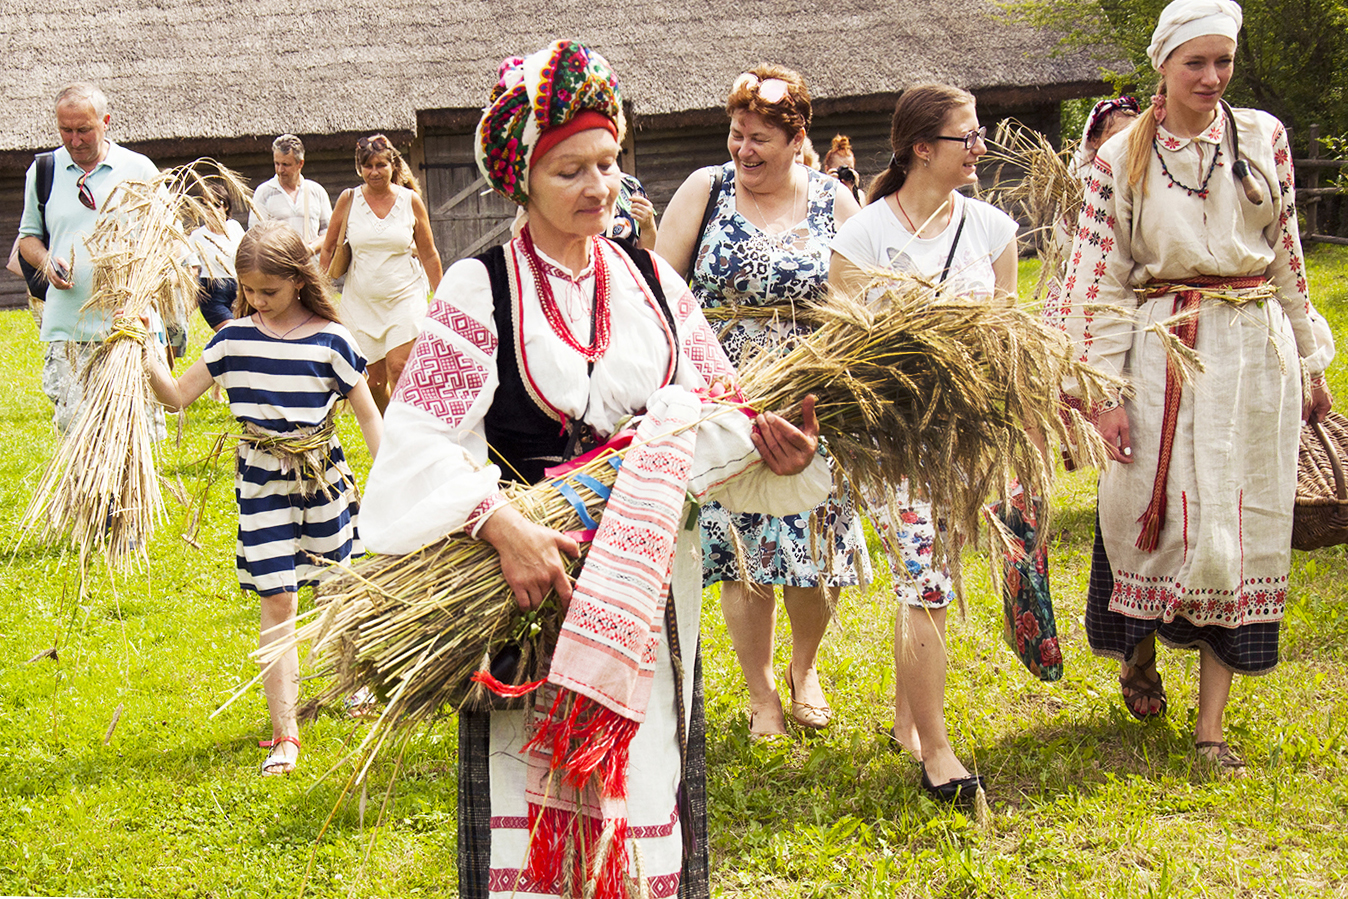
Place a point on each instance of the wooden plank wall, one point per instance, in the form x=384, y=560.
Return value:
x=449, y=171
x=662, y=159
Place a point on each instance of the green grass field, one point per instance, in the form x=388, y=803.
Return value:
x=1085, y=801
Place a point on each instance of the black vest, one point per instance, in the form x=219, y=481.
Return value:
x=523, y=437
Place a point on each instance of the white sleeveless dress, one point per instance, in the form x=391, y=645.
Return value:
x=385, y=296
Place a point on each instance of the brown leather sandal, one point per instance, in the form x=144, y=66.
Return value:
x=1137, y=686
x=815, y=717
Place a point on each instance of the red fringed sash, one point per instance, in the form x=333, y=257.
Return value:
x=1188, y=296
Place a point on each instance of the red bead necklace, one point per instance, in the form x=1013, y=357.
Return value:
x=600, y=317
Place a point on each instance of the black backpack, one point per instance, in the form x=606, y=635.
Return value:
x=46, y=170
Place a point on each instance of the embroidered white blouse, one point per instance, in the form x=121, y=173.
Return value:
x=1127, y=237
x=432, y=476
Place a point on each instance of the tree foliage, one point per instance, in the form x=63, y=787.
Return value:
x=1292, y=58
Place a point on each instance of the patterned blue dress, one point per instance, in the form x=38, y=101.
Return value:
x=283, y=386
x=737, y=264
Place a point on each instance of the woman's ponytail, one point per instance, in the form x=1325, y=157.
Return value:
x=1141, y=137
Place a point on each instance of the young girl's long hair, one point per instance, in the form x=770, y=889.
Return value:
x=918, y=117
x=276, y=249
x=379, y=145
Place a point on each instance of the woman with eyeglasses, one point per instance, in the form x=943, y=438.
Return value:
x=752, y=238
x=394, y=263
x=1188, y=226
x=916, y=221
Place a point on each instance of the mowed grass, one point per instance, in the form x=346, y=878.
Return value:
x=1085, y=801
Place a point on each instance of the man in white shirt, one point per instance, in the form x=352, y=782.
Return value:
x=292, y=198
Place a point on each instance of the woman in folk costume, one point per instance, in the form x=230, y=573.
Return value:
x=1188, y=225
x=1106, y=119
x=560, y=334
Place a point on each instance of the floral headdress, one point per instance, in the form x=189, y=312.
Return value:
x=543, y=91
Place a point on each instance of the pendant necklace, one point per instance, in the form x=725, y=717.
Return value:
x=763, y=244
x=1201, y=191
x=906, y=217
x=264, y=326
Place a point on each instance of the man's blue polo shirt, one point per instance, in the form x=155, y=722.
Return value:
x=69, y=224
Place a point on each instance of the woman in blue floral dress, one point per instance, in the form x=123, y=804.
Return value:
x=765, y=249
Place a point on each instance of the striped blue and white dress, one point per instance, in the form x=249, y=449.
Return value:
x=284, y=386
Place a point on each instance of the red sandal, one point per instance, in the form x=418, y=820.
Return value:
x=276, y=764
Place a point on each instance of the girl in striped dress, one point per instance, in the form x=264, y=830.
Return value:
x=284, y=362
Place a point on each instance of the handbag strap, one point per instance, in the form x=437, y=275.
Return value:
x=341, y=232
x=304, y=188
x=717, y=179
x=950, y=257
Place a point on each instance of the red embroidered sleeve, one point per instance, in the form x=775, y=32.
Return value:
x=1096, y=271
x=482, y=511
x=440, y=377
x=1289, y=267
x=699, y=343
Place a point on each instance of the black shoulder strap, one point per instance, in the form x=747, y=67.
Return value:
x=717, y=178
x=945, y=270
x=45, y=173
x=645, y=264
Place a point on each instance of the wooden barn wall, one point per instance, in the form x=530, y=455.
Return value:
x=662, y=157
x=466, y=216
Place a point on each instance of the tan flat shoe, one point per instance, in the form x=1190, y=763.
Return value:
x=815, y=717
x=763, y=736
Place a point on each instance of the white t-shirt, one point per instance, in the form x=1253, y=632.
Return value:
x=876, y=238
x=214, y=253
x=271, y=202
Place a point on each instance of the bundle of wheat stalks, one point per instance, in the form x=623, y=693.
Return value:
x=1036, y=182
x=101, y=490
x=941, y=391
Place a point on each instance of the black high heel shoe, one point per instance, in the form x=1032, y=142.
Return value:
x=960, y=791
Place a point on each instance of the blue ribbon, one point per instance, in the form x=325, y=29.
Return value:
x=595, y=486
x=571, y=496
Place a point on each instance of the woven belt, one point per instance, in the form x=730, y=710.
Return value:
x=1188, y=295
x=303, y=453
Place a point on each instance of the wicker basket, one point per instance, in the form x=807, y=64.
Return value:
x=1321, y=514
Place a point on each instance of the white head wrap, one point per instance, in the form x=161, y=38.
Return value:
x=1184, y=20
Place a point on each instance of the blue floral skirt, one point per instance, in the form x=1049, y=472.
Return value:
x=782, y=551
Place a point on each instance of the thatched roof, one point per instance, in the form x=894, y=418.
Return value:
x=223, y=69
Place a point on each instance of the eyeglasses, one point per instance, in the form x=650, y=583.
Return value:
x=773, y=90
x=968, y=139
x=378, y=143
x=86, y=195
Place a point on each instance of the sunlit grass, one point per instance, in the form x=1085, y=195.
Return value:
x=1086, y=801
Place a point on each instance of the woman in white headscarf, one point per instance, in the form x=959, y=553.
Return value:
x=1188, y=224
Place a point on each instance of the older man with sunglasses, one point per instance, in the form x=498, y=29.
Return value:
x=87, y=168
